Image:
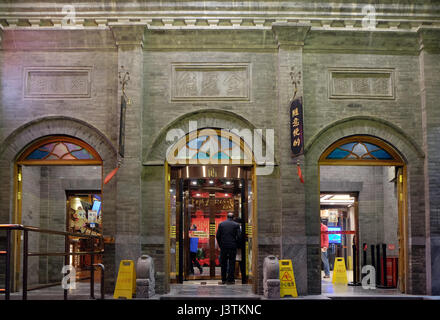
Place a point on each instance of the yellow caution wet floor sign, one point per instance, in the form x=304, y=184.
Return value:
x=126, y=282
x=287, y=279
x=339, y=272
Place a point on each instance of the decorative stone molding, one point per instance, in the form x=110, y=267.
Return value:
x=312, y=33
x=128, y=35
x=367, y=125
x=210, y=81
x=290, y=34
x=205, y=118
x=57, y=82
x=429, y=39
x=15, y=142
x=212, y=14
x=222, y=23
x=361, y=83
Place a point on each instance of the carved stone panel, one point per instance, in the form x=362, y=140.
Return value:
x=365, y=83
x=207, y=81
x=57, y=82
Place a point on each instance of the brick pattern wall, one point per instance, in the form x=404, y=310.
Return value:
x=430, y=92
x=288, y=224
x=31, y=215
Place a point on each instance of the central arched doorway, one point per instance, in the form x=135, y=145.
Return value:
x=376, y=166
x=209, y=173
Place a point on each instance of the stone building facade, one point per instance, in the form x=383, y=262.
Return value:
x=60, y=65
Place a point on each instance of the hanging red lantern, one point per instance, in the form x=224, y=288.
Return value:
x=110, y=175
x=300, y=173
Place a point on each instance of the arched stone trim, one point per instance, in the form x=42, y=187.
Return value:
x=413, y=156
x=364, y=125
x=208, y=118
x=18, y=140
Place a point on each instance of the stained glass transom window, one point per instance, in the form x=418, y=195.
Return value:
x=359, y=150
x=60, y=150
x=211, y=147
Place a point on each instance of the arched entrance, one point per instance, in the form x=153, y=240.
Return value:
x=353, y=155
x=57, y=186
x=209, y=173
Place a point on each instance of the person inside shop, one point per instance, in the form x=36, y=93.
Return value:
x=193, y=247
x=228, y=238
x=324, y=250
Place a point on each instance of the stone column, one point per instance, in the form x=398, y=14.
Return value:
x=430, y=95
x=129, y=41
x=290, y=38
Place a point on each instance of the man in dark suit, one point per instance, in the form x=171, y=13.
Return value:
x=228, y=237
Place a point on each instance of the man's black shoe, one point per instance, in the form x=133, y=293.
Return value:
x=230, y=282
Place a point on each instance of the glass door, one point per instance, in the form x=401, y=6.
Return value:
x=199, y=246
x=208, y=203
x=199, y=200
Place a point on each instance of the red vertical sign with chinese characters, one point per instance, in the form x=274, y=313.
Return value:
x=296, y=127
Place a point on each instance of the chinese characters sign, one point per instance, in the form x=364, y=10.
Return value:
x=296, y=127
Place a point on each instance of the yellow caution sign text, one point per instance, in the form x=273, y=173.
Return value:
x=126, y=282
x=339, y=272
x=287, y=279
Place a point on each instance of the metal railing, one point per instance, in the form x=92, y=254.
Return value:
x=26, y=254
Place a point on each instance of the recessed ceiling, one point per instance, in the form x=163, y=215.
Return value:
x=337, y=199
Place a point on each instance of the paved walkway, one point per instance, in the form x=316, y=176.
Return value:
x=82, y=292
x=211, y=290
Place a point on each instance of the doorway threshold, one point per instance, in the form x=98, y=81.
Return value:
x=194, y=290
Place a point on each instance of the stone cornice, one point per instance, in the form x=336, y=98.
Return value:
x=219, y=14
x=314, y=24
x=220, y=23
x=282, y=35
x=198, y=8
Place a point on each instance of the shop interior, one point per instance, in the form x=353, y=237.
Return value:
x=84, y=216
x=338, y=215
x=359, y=206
